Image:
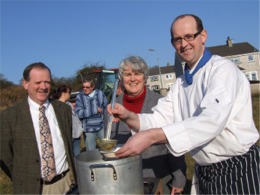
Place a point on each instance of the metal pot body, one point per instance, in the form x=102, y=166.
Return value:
x=98, y=176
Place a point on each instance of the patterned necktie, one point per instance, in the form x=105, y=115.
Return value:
x=48, y=161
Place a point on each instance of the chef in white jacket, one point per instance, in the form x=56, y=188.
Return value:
x=207, y=113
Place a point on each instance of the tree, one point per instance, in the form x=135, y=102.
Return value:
x=4, y=83
x=88, y=71
x=11, y=95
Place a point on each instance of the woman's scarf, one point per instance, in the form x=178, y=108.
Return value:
x=134, y=104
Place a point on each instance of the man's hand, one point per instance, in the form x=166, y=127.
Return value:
x=176, y=191
x=136, y=144
x=140, y=141
x=99, y=110
x=119, y=112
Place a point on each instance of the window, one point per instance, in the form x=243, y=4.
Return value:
x=250, y=58
x=154, y=78
x=168, y=85
x=168, y=76
x=236, y=60
x=155, y=87
x=252, y=76
x=247, y=76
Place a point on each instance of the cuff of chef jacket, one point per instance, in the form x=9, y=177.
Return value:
x=148, y=121
x=179, y=142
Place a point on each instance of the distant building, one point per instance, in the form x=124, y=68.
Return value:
x=161, y=77
x=244, y=55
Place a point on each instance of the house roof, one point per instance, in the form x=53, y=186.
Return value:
x=164, y=70
x=235, y=49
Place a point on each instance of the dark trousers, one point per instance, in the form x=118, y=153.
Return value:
x=237, y=175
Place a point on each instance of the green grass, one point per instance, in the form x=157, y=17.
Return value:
x=189, y=173
x=256, y=111
x=6, y=187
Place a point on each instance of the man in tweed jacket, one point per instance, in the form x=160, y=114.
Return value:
x=20, y=147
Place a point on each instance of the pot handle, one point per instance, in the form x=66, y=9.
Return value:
x=102, y=166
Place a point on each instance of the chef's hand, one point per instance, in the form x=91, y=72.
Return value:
x=119, y=112
x=176, y=190
x=136, y=144
x=140, y=141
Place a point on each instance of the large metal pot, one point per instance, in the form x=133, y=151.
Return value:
x=117, y=176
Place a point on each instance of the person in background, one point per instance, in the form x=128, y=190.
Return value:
x=208, y=112
x=77, y=125
x=90, y=107
x=159, y=166
x=34, y=129
x=63, y=93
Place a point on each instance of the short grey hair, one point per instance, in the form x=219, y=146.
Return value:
x=136, y=63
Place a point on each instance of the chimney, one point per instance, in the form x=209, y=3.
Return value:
x=229, y=42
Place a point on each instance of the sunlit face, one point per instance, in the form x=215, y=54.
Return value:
x=189, y=51
x=39, y=85
x=133, y=82
x=87, y=88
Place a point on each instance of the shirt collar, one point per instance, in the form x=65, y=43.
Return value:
x=36, y=106
x=92, y=93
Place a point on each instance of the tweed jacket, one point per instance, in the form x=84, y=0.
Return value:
x=157, y=161
x=19, y=152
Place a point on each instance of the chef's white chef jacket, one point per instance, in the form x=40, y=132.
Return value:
x=212, y=118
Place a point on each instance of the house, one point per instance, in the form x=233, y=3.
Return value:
x=161, y=77
x=244, y=55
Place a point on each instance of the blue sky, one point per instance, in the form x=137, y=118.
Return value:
x=67, y=34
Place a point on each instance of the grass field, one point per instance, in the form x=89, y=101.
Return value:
x=6, y=188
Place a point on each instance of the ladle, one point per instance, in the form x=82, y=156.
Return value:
x=109, y=124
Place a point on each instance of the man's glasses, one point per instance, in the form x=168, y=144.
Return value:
x=188, y=38
x=85, y=87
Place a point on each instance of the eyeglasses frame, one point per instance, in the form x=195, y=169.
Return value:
x=179, y=39
x=84, y=87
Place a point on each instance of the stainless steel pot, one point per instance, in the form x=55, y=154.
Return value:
x=97, y=176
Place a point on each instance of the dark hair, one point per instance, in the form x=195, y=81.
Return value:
x=37, y=65
x=197, y=19
x=61, y=89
